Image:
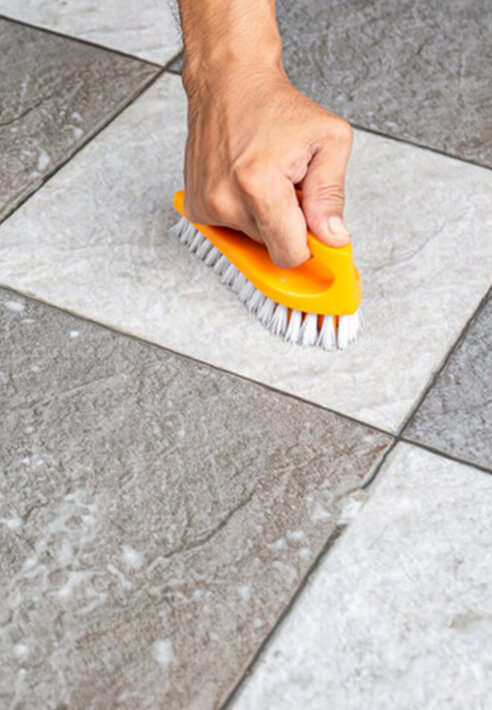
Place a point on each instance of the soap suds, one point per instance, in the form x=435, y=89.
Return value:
x=15, y=306
x=162, y=652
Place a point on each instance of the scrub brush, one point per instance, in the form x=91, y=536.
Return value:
x=315, y=303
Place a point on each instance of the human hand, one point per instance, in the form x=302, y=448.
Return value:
x=252, y=139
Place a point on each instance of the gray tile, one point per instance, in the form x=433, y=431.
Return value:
x=156, y=515
x=55, y=93
x=414, y=69
x=456, y=415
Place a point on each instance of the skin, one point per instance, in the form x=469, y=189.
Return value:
x=253, y=138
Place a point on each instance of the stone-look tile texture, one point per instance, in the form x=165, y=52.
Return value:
x=150, y=30
x=155, y=515
x=414, y=69
x=95, y=240
x=417, y=70
x=55, y=92
x=399, y=614
x=456, y=415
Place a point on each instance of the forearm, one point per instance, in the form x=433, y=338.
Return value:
x=218, y=34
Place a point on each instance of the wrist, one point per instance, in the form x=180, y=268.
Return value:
x=222, y=37
x=215, y=65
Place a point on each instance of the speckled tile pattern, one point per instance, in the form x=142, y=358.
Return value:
x=156, y=515
x=55, y=93
x=398, y=615
x=456, y=415
x=95, y=240
x=153, y=33
x=414, y=69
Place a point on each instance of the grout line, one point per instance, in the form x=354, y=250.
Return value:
x=198, y=361
x=367, y=484
x=443, y=454
x=82, y=40
x=422, y=146
x=146, y=85
x=447, y=357
x=399, y=438
x=337, y=532
x=226, y=703
x=398, y=139
x=396, y=438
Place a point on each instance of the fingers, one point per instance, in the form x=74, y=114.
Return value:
x=263, y=207
x=323, y=194
x=275, y=216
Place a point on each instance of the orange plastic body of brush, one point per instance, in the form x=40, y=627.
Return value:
x=328, y=283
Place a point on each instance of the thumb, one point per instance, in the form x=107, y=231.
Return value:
x=323, y=195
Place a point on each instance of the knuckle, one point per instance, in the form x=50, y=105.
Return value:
x=218, y=201
x=343, y=131
x=250, y=178
x=330, y=193
x=339, y=130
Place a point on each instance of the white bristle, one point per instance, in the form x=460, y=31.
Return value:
x=177, y=229
x=212, y=257
x=239, y=281
x=202, y=251
x=256, y=301
x=348, y=327
x=265, y=313
x=246, y=292
x=229, y=275
x=295, y=321
x=188, y=234
x=278, y=323
x=327, y=335
x=196, y=242
x=221, y=265
x=309, y=330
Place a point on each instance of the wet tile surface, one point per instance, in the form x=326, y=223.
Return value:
x=152, y=33
x=399, y=614
x=95, y=239
x=456, y=416
x=414, y=70
x=155, y=515
x=55, y=92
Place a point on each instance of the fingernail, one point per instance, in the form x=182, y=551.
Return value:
x=337, y=227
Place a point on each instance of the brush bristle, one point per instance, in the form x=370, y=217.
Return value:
x=295, y=326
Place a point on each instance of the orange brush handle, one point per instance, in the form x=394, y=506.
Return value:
x=327, y=284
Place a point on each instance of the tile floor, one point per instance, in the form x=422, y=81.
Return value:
x=169, y=527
